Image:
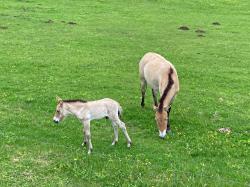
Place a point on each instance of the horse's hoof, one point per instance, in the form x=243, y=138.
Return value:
x=114, y=142
x=169, y=132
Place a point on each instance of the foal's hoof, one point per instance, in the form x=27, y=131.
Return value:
x=142, y=105
x=114, y=142
x=90, y=151
x=84, y=144
x=129, y=144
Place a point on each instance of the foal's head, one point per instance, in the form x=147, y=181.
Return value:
x=161, y=117
x=60, y=111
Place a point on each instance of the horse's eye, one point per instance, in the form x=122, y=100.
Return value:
x=57, y=111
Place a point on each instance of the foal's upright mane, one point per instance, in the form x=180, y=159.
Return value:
x=165, y=93
x=74, y=100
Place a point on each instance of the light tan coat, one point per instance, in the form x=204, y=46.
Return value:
x=162, y=77
x=87, y=111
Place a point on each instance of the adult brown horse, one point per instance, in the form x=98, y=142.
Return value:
x=162, y=77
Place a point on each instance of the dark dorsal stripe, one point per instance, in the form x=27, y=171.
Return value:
x=165, y=93
x=74, y=100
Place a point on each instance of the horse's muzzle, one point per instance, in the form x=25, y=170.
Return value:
x=56, y=121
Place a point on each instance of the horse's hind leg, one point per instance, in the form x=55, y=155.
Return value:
x=115, y=133
x=154, y=93
x=143, y=91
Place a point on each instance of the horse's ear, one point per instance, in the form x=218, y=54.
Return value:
x=58, y=99
x=156, y=108
x=165, y=109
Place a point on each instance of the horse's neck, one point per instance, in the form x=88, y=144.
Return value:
x=162, y=86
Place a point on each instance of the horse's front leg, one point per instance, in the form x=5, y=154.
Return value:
x=86, y=125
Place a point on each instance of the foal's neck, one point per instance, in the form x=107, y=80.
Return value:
x=75, y=108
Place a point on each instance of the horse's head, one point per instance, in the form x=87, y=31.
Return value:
x=60, y=111
x=161, y=118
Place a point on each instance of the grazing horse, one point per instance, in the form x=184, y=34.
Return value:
x=87, y=111
x=162, y=77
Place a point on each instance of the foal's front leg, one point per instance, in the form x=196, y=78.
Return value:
x=84, y=143
x=86, y=125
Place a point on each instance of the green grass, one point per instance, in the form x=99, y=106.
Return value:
x=98, y=57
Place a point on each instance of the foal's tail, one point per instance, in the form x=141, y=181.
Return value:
x=119, y=110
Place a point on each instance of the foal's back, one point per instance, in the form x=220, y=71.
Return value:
x=106, y=106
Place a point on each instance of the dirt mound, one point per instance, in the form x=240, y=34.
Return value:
x=71, y=23
x=216, y=23
x=3, y=27
x=49, y=21
x=184, y=28
x=200, y=31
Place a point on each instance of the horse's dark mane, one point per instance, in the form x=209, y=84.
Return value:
x=165, y=93
x=74, y=100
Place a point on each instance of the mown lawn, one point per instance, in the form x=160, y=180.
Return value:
x=96, y=55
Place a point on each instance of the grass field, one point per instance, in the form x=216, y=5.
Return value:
x=44, y=54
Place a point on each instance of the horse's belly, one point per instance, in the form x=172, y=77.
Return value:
x=152, y=79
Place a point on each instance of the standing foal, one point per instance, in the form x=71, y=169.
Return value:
x=87, y=111
x=161, y=75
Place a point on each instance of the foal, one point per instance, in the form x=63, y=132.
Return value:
x=87, y=111
x=161, y=75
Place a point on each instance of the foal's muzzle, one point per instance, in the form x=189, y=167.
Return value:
x=56, y=121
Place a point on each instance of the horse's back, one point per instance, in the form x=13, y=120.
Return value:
x=153, y=67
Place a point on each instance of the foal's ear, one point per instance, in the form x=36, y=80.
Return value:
x=58, y=99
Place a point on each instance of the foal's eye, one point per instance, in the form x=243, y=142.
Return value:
x=57, y=111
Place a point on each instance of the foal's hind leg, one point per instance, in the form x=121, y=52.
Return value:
x=84, y=139
x=124, y=130
x=88, y=135
x=143, y=91
x=115, y=133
